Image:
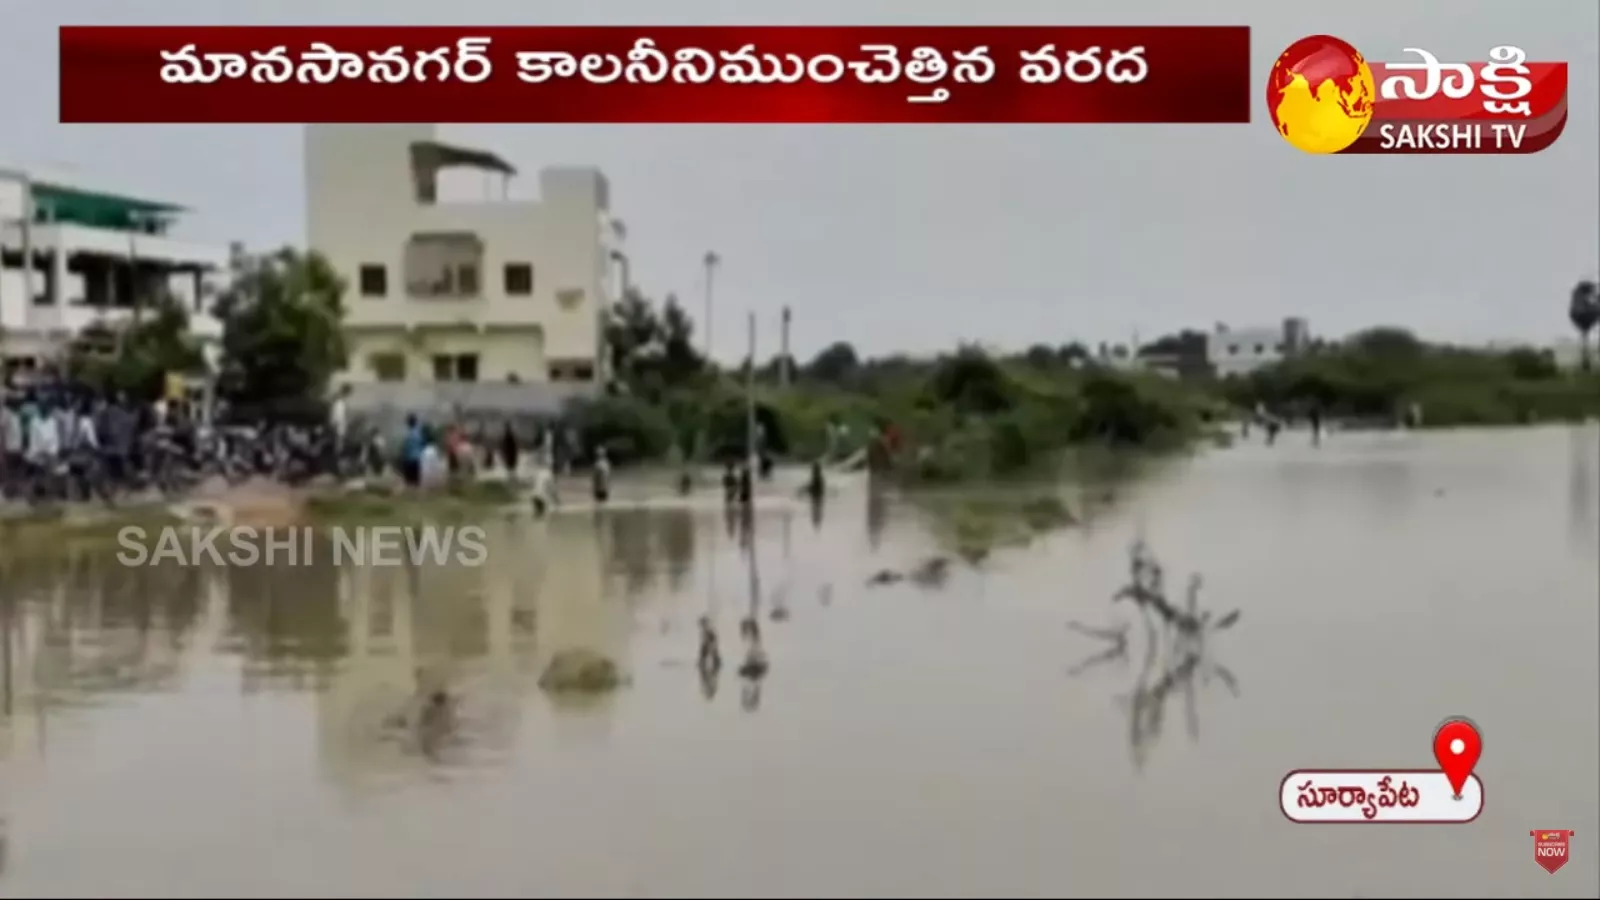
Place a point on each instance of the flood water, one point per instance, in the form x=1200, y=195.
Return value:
x=189, y=732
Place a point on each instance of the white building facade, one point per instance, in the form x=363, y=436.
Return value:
x=1240, y=351
x=73, y=255
x=473, y=295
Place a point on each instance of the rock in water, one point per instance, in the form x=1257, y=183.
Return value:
x=580, y=671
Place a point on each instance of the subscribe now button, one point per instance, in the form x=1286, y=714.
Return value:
x=1370, y=796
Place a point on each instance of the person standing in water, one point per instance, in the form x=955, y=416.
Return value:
x=816, y=485
x=1315, y=417
x=730, y=483
x=602, y=476
x=411, y=447
x=747, y=486
x=544, y=486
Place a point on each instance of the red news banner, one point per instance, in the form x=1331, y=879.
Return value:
x=657, y=75
x=1505, y=105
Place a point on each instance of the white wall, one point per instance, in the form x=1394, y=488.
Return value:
x=361, y=209
x=1236, y=351
x=12, y=194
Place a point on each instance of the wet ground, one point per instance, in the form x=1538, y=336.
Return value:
x=256, y=732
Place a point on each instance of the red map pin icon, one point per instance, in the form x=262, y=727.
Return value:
x=1457, y=746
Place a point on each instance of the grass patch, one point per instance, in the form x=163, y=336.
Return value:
x=974, y=524
x=58, y=531
x=382, y=504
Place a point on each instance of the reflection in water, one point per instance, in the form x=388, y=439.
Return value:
x=753, y=670
x=357, y=773
x=1584, y=506
x=1166, y=669
x=877, y=513
x=1175, y=652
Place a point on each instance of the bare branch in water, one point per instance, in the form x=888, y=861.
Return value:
x=1116, y=635
x=1146, y=589
x=1170, y=667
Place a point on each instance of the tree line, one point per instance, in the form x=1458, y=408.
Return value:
x=282, y=344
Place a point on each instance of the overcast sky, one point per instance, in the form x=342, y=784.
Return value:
x=915, y=237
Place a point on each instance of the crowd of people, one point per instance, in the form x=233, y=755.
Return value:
x=61, y=443
x=64, y=442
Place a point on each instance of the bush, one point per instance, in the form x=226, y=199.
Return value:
x=630, y=429
x=1376, y=375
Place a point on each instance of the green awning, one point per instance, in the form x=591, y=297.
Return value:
x=437, y=155
x=60, y=203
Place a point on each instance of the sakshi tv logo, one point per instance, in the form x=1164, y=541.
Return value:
x=1324, y=97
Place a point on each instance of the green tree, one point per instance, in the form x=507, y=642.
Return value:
x=680, y=363
x=281, y=335
x=632, y=329
x=970, y=382
x=136, y=357
x=652, y=351
x=1584, y=313
x=835, y=364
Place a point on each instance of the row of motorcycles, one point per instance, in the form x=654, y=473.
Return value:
x=171, y=462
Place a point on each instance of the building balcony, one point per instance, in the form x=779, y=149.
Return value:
x=121, y=245
x=71, y=318
x=475, y=313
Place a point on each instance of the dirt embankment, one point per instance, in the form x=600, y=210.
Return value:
x=256, y=503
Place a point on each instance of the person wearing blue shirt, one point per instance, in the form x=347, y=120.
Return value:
x=411, y=452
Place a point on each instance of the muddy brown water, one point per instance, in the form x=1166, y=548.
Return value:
x=248, y=732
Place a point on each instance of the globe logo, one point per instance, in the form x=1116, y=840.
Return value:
x=1320, y=94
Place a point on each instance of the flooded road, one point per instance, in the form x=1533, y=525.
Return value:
x=256, y=732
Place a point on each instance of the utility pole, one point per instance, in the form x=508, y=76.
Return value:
x=750, y=398
x=711, y=261
x=785, y=365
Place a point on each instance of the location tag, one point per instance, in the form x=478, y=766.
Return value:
x=1457, y=746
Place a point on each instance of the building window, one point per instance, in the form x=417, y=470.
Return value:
x=1261, y=349
x=519, y=279
x=387, y=366
x=577, y=370
x=455, y=367
x=374, y=280
x=19, y=365
x=443, y=264
x=1233, y=349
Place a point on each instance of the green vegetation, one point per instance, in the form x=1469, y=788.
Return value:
x=1376, y=374
x=459, y=501
x=136, y=359
x=963, y=416
x=281, y=335
x=281, y=341
x=48, y=533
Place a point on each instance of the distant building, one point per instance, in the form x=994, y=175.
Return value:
x=465, y=297
x=1180, y=355
x=72, y=255
x=1239, y=351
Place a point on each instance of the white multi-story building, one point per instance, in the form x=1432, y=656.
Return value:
x=73, y=255
x=1239, y=351
x=463, y=293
